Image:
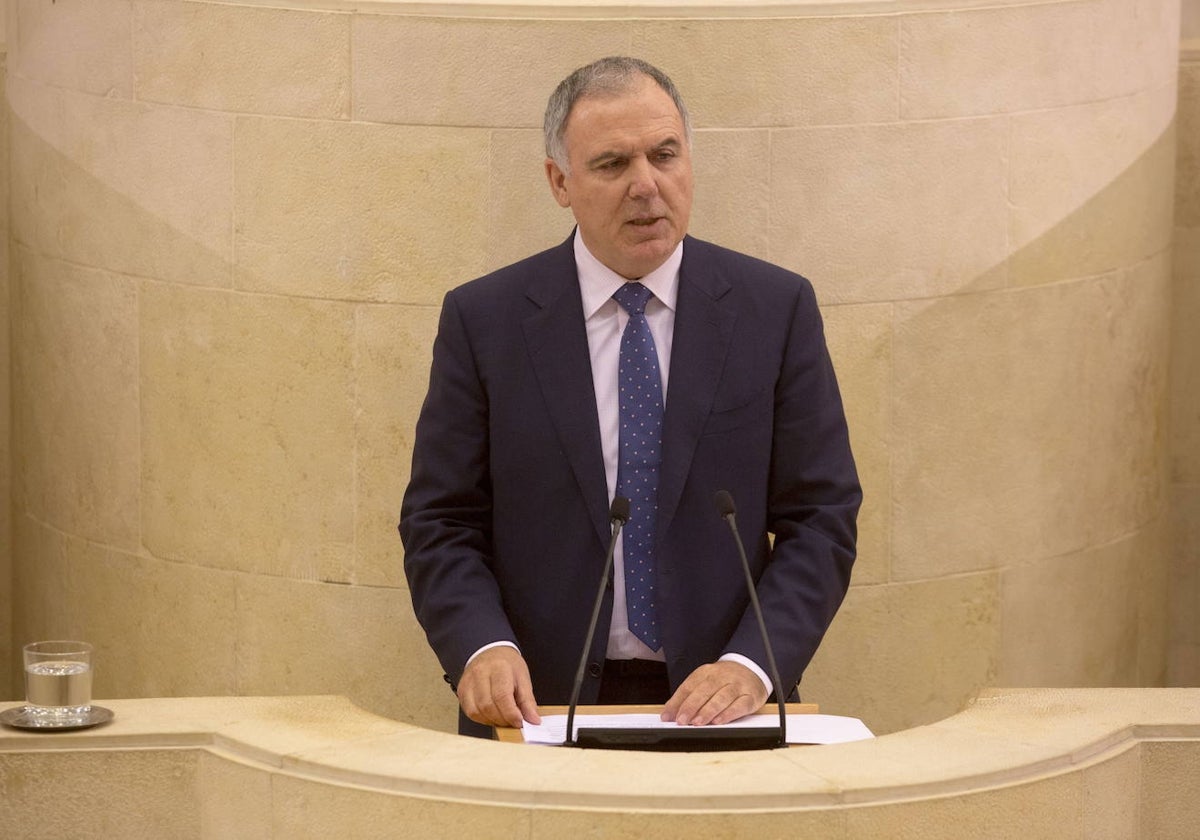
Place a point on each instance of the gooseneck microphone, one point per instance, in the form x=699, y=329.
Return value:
x=727, y=510
x=618, y=515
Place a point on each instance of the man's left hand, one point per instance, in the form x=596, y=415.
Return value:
x=720, y=692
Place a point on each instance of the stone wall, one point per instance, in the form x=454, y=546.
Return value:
x=232, y=226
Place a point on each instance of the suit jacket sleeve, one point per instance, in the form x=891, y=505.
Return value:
x=446, y=518
x=813, y=497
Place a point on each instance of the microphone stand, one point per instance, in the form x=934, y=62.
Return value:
x=727, y=510
x=618, y=515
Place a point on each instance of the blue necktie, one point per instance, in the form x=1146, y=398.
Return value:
x=641, y=411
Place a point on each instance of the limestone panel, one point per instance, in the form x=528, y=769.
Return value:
x=1136, y=45
x=1047, y=809
x=1110, y=797
x=303, y=809
x=41, y=606
x=100, y=794
x=860, y=342
x=731, y=206
x=891, y=211
x=6, y=437
x=355, y=211
x=1187, y=168
x=293, y=62
x=1183, y=603
x=248, y=431
x=393, y=348
x=998, y=60
x=1170, y=808
x=1091, y=187
x=1185, y=346
x=779, y=71
x=523, y=217
x=901, y=655
x=459, y=71
x=177, y=639
x=133, y=188
x=1039, y=434
x=76, y=386
x=234, y=799
x=1072, y=620
x=1154, y=587
x=300, y=637
x=78, y=44
x=1125, y=359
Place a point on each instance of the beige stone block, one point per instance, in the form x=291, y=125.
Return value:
x=394, y=347
x=1091, y=187
x=1183, y=602
x=248, y=431
x=133, y=188
x=99, y=794
x=1170, y=808
x=891, y=211
x=523, y=217
x=301, y=637
x=354, y=211
x=827, y=824
x=1111, y=791
x=1073, y=620
x=82, y=45
x=305, y=809
x=997, y=60
x=75, y=379
x=1187, y=168
x=293, y=62
x=470, y=72
x=178, y=641
x=1154, y=587
x=778, y=71
x=731, y=205
x=234, y=799
x=1185, y=346
x=1040, y=434
x=1137, y=45
x=41, y=607
x=902, y=655
x=860, y=343
x=1045, y=809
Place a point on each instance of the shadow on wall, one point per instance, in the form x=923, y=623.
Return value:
x=209, y=462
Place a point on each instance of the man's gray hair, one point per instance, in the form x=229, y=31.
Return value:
x=606, y=77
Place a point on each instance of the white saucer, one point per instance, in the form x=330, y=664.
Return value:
x=20, y=718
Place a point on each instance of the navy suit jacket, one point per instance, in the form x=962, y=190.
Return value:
x=505, y=520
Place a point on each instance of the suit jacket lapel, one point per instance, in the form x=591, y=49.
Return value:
x=557, y=341
x=703, y=330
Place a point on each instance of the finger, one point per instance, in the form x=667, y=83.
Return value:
x=526, y=702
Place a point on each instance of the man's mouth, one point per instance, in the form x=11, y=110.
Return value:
x=645, y=222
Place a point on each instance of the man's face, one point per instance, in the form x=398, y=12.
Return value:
x=630, y=185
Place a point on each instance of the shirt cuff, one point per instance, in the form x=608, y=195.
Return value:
x=506, y=644
x=752, y=665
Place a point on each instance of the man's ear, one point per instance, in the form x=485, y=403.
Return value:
x=558, y=183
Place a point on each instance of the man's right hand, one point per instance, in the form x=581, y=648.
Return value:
x=496, y=690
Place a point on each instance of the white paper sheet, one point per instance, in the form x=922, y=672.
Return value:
x=801, y=729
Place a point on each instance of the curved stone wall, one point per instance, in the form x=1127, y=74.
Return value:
x=232, y=226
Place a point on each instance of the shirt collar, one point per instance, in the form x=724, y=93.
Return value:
x=597, y=282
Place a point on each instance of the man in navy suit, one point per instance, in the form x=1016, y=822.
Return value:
x=521, y=444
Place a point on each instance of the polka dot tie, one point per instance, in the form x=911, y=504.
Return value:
x=641, y=410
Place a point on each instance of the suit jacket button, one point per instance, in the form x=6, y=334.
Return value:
x=594, y=669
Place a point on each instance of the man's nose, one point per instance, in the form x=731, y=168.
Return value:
x=643, y=179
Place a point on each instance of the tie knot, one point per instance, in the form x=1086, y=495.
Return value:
x=633, y=297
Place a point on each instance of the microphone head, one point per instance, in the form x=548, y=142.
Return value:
x=619, y=509
x=725, y=506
